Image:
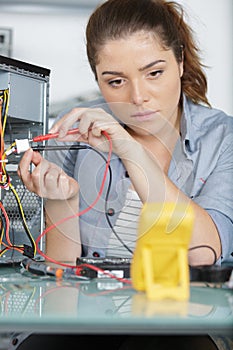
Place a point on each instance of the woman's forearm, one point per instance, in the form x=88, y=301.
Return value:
x=152, y=185
x=63, y=241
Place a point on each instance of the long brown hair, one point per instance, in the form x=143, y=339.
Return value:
x=115, y=19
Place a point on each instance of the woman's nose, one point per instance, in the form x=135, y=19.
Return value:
x=139, y=94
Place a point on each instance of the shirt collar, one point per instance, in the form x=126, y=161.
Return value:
x=187, y=136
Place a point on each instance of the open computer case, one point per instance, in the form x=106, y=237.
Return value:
x=24, y=97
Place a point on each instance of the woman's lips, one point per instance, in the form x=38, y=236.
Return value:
x=142, y=116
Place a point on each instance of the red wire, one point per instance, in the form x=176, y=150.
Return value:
x=1, y=139
x=77, y=214
x=7, y=223
x=10, y=245
x=97, y=269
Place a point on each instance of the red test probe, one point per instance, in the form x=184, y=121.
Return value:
x=23, y=145
x=46, y=137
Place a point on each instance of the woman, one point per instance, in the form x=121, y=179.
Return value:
x=170, y=146
x=168, y=143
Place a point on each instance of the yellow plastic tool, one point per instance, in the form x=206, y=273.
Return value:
x=160, y=261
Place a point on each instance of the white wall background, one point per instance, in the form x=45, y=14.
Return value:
x=212, y=21
x=55, y=39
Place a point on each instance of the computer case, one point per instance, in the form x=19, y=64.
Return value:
x=27, y=117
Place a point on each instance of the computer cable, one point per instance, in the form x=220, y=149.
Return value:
x=5, y=107
x=54, y=148
x=81, y=147
x=20, y=146
x=47, y=137
x=30, y=252
x=110, y=224
x=5, y=230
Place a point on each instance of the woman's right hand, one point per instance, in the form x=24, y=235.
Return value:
x=47, y=180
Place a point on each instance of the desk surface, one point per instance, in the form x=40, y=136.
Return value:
x=42, y=304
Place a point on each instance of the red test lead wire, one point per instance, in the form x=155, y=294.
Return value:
x=46, y=137
x=85, y=210
x=22, y=145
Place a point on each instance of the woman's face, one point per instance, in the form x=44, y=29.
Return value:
x=140, y=80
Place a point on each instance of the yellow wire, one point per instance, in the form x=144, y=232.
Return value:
x=8, y=149
x=4, y=158
x=23, y=216
x=6, y=98
x=2, y=232
x=18, y=248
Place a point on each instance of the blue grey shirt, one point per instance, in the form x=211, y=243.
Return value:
x=201, y=166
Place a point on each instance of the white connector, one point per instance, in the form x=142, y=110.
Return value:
x=22, y=145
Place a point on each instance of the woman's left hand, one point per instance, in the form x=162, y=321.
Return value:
x=91, y=124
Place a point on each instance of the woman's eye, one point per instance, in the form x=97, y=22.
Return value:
x=116, y=82
x=156, y=73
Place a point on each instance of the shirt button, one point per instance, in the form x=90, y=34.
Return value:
x=110, y=211
x=96, y=255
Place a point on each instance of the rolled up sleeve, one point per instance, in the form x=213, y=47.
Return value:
x=225, y=230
